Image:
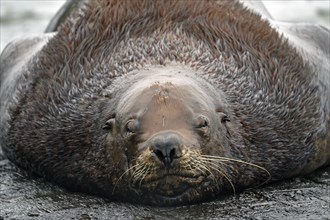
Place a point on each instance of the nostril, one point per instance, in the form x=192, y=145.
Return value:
x=160, y=155
x=172, y=154
x=166, y=148
x=164, y=157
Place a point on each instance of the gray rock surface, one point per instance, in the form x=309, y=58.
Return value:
x=23, y=196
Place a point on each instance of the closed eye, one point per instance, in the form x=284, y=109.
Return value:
x=202, y=122
x=109, y=124
x=225, y=119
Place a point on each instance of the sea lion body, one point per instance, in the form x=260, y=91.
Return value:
x=167, y=102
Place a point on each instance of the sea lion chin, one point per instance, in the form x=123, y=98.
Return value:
x=168, y=103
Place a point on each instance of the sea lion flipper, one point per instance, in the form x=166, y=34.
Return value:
x=310, y=39
x=63, y=13
x=19, y=51
x=313, y=43
x=257, y=7
x=12, y=62
x=313, y=39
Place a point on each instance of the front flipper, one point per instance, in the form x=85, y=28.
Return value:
x=63, y=13
x=13, y=61
x=313, y=43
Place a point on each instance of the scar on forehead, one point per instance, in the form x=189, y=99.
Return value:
x=162, y=91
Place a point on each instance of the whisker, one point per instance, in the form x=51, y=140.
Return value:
x=121, y=176
x=139, y=172
x=202, y=167
x=205, y=170
x=146, y=173
x=216, y=160
x=226, y=159
x=218, y=169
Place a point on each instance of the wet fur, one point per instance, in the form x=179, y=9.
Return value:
x=55, y=126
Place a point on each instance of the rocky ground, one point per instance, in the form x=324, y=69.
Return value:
x=23, y=196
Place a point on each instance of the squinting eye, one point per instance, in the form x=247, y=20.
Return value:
x=225, y=119
x=202, y=122
x=109, y=124
x=131, y=126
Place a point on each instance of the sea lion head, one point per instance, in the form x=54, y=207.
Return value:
x=176, y=130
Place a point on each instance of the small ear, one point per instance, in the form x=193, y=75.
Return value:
x=109, y=124
x=224, y=117
x=202, y=122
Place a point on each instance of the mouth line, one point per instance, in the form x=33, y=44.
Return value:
x=173, y=195
x=170, y=185
x=171, y=175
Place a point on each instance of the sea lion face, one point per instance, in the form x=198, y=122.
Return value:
x=170, y=127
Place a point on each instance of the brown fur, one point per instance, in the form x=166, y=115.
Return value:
x=239, y=66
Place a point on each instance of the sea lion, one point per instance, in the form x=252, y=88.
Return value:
x=167, y=102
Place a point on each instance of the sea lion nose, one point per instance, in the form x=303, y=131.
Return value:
x=167, y=147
